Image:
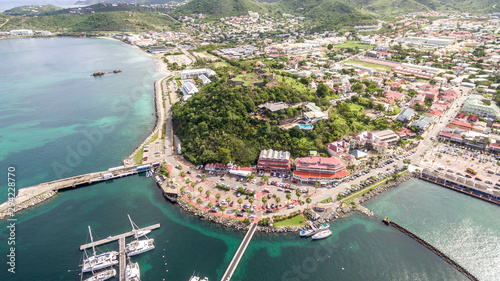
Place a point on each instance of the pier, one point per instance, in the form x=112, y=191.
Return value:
x=117, y=237
x=122, y=263
x=31, y=192
x=466, y=186
x=432, y=248
x=239, y=253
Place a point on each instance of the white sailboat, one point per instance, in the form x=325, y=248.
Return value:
x=103, y=275
x=197, y=278
x=132, y=272
x=137, y=231
x=96, y=262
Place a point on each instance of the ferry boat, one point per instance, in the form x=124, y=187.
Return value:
x=137, y=231
x=117, y=71
x=103, y=275
x=322, y=234
x=96, y=262
x=132, y=272
x=139, y=246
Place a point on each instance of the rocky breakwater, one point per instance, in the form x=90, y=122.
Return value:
x=229, y=223
x=26, y=204
x=374, y=192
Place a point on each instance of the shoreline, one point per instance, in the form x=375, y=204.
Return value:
x=44, y=194
x=338, y=212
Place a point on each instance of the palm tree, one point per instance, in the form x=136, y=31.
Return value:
x=208, y=193
x=182, y=190
x=251, y=200
x=200, y=189
x=265, y=179
x=288, y=196
x=190, y=196
x=217, y=196
x=298, y=193
x=199, y=201
x=228, y=200
x=222, y=208
x=264, y=200
x=203, y=176
x=308, y=201
x=240, y=201
x=210, y=205
x=277, y=199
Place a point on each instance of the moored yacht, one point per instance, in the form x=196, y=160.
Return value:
x=132, y=272
x=322, y=234
x=96, y=262
x=137, y=231
x=103, y=275
x=139, y=246
x=197, y=278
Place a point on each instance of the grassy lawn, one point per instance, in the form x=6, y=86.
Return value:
x=352, y=44
x=294, y=83
x=220, y=64
x=355, y=107
x=154, y=138
x=248, y=79
x=367, y=64
x=138, y=156
x=350, y=199
x=295, y=221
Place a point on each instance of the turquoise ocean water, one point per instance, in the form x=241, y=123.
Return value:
x=65, y=101
x=56, y=120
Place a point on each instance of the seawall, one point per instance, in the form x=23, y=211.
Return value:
x=432, y=248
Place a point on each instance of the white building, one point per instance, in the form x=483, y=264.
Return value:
x=188, y=89
x=20, y=32
x=188, y=74
x=204, y=79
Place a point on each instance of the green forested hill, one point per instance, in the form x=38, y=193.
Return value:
x=105, y=21
x=31, y=10
x=220, y=8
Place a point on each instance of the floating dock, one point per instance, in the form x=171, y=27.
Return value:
x=239, y=253
x=432, y=248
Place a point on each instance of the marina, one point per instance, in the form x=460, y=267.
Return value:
x=130, y=271
x=117, y=237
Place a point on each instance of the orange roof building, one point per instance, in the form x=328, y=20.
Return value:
x=319, y=169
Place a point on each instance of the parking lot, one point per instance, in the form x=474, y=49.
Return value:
x=455, y=159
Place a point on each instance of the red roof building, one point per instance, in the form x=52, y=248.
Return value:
x=272, y=160
x=313, y=169
x=460, y=125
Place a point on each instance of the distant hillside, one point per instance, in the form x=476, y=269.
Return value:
x=326, y=14
x=139, y=2
x=32, y=10
x=220, y=8
x=105, y=21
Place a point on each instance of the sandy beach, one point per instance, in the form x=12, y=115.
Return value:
x=160, y=65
